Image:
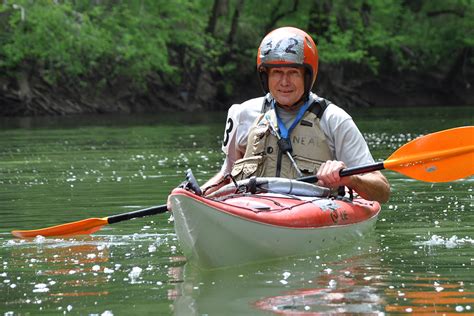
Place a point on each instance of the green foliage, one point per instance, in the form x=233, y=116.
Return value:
x=54, y=38
x=86, y=42
x=62, y=40
x=420, y=37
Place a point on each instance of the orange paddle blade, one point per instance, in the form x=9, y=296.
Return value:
x=438, y=157
x=82, y=227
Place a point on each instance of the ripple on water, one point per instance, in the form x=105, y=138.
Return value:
x=448, y=242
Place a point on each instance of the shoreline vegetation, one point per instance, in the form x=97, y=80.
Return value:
x=77, y=57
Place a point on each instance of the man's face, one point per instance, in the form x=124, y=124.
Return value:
x=286, y=84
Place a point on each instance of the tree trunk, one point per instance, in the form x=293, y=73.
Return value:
x=456, y=67
x=275, y=15
x=218, y=9
x=205, y=90
x=235, y=23
x=25, y=93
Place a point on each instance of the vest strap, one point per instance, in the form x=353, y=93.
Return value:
x=285, y=145
x=318, y=107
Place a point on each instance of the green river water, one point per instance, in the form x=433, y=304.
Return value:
x=419, y=259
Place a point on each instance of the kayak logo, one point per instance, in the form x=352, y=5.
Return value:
x=339, y=215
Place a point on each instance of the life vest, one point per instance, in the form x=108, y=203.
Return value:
x=264, y=158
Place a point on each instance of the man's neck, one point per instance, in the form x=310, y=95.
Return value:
x=290, y=109
x=287, y=115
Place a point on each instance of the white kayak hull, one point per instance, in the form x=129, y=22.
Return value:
x=212, y=238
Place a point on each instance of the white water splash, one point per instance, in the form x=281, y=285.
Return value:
x=41, y=288
x=135, y=274
x=39, y=239
x=451, y=242
x=108, y=271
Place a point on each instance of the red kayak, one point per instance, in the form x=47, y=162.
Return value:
x=279, y=218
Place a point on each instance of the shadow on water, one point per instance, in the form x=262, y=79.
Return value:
x=112, y=120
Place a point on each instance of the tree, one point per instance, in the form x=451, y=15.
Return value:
x=65, y=56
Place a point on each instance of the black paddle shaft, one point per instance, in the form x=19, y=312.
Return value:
x=349, y=171
x=139, y=213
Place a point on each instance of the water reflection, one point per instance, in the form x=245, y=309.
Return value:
x=371, y=279
x=343, y=280
x=449, y=298
x=50, y=274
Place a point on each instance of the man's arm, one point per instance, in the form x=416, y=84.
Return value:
x=350, y=150
x=214, y=183
x=371, y=186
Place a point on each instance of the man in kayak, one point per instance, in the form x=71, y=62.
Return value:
x=292, y=132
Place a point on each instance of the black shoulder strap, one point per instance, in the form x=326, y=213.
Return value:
x=318, y=107
x=267, y=104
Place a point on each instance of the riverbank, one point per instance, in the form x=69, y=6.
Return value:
x=34, y=97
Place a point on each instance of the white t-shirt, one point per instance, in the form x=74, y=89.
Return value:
x=344, y=138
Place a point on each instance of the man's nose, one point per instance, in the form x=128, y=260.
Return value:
x=285, y=79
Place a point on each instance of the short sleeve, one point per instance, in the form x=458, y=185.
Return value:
x=345, y=140
x=240, y=118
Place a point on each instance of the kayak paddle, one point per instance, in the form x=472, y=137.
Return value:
x=438, y=157
x=89, y=225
